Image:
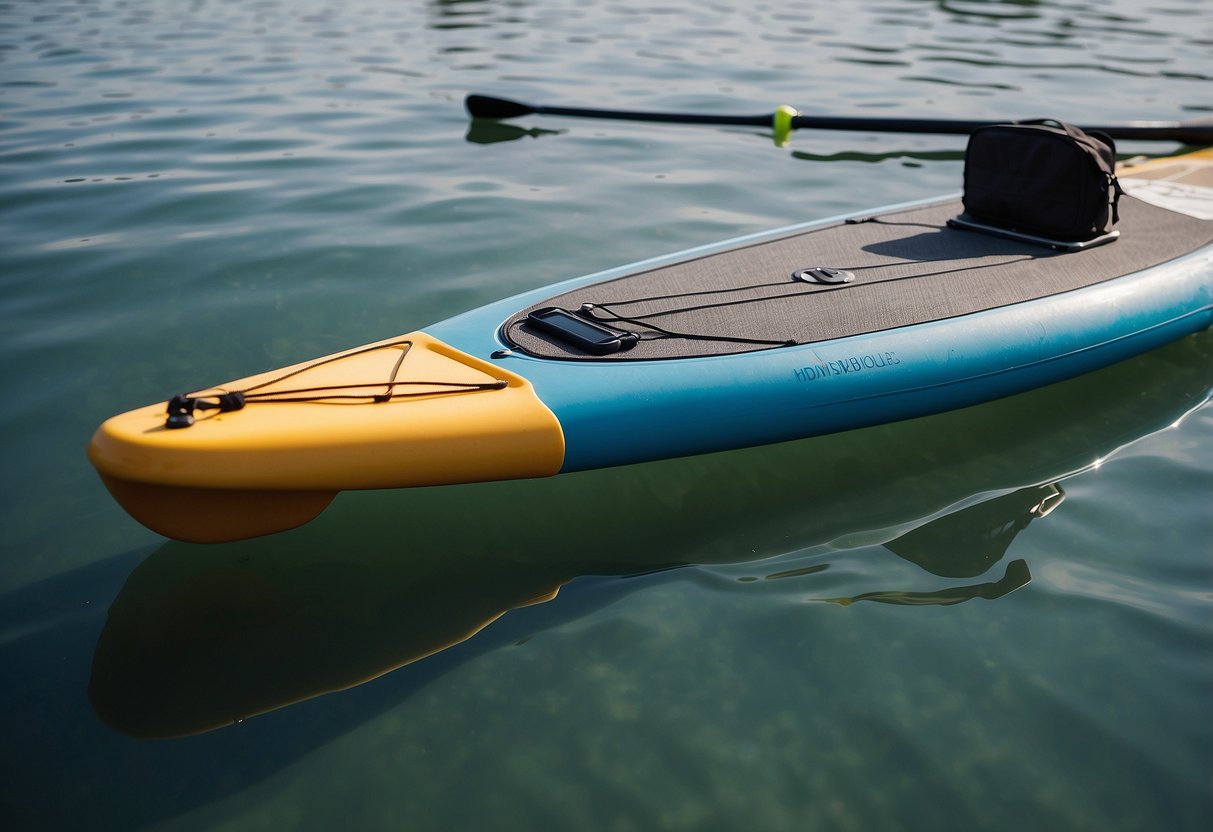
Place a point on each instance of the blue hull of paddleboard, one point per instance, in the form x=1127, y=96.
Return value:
x=615, y=413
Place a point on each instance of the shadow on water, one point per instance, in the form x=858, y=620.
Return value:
x=965, y=544
x=481, y=131
x=392, y=586
x=874, y=158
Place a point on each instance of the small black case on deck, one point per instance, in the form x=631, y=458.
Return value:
x=1044, y=179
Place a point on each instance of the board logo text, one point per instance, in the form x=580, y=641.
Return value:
x=846, y=366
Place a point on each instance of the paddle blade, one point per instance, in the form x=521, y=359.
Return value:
x=485, y=106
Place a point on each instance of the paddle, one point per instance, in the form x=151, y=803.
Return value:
x=785, y=119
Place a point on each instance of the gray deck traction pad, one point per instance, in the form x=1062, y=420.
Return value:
x=909, y=268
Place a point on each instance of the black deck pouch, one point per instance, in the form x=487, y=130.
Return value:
x=1043, y=181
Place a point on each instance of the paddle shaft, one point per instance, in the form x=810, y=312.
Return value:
x=1196, y=132
x=1186, y=132
x=669, y=118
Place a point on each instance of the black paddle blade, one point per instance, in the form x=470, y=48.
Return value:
x=485, y=106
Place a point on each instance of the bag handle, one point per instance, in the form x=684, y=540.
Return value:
x=1076, y=133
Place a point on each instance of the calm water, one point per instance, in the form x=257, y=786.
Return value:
x=876, y=630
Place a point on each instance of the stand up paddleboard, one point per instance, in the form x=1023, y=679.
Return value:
x=802, y=331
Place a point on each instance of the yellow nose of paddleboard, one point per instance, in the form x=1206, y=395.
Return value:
x=404, y=412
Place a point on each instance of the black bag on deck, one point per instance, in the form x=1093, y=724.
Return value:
x=1045, y=178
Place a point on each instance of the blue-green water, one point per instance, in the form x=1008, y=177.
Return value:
x=876, y=630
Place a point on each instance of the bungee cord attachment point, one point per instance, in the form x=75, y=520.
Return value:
x=181, y=407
